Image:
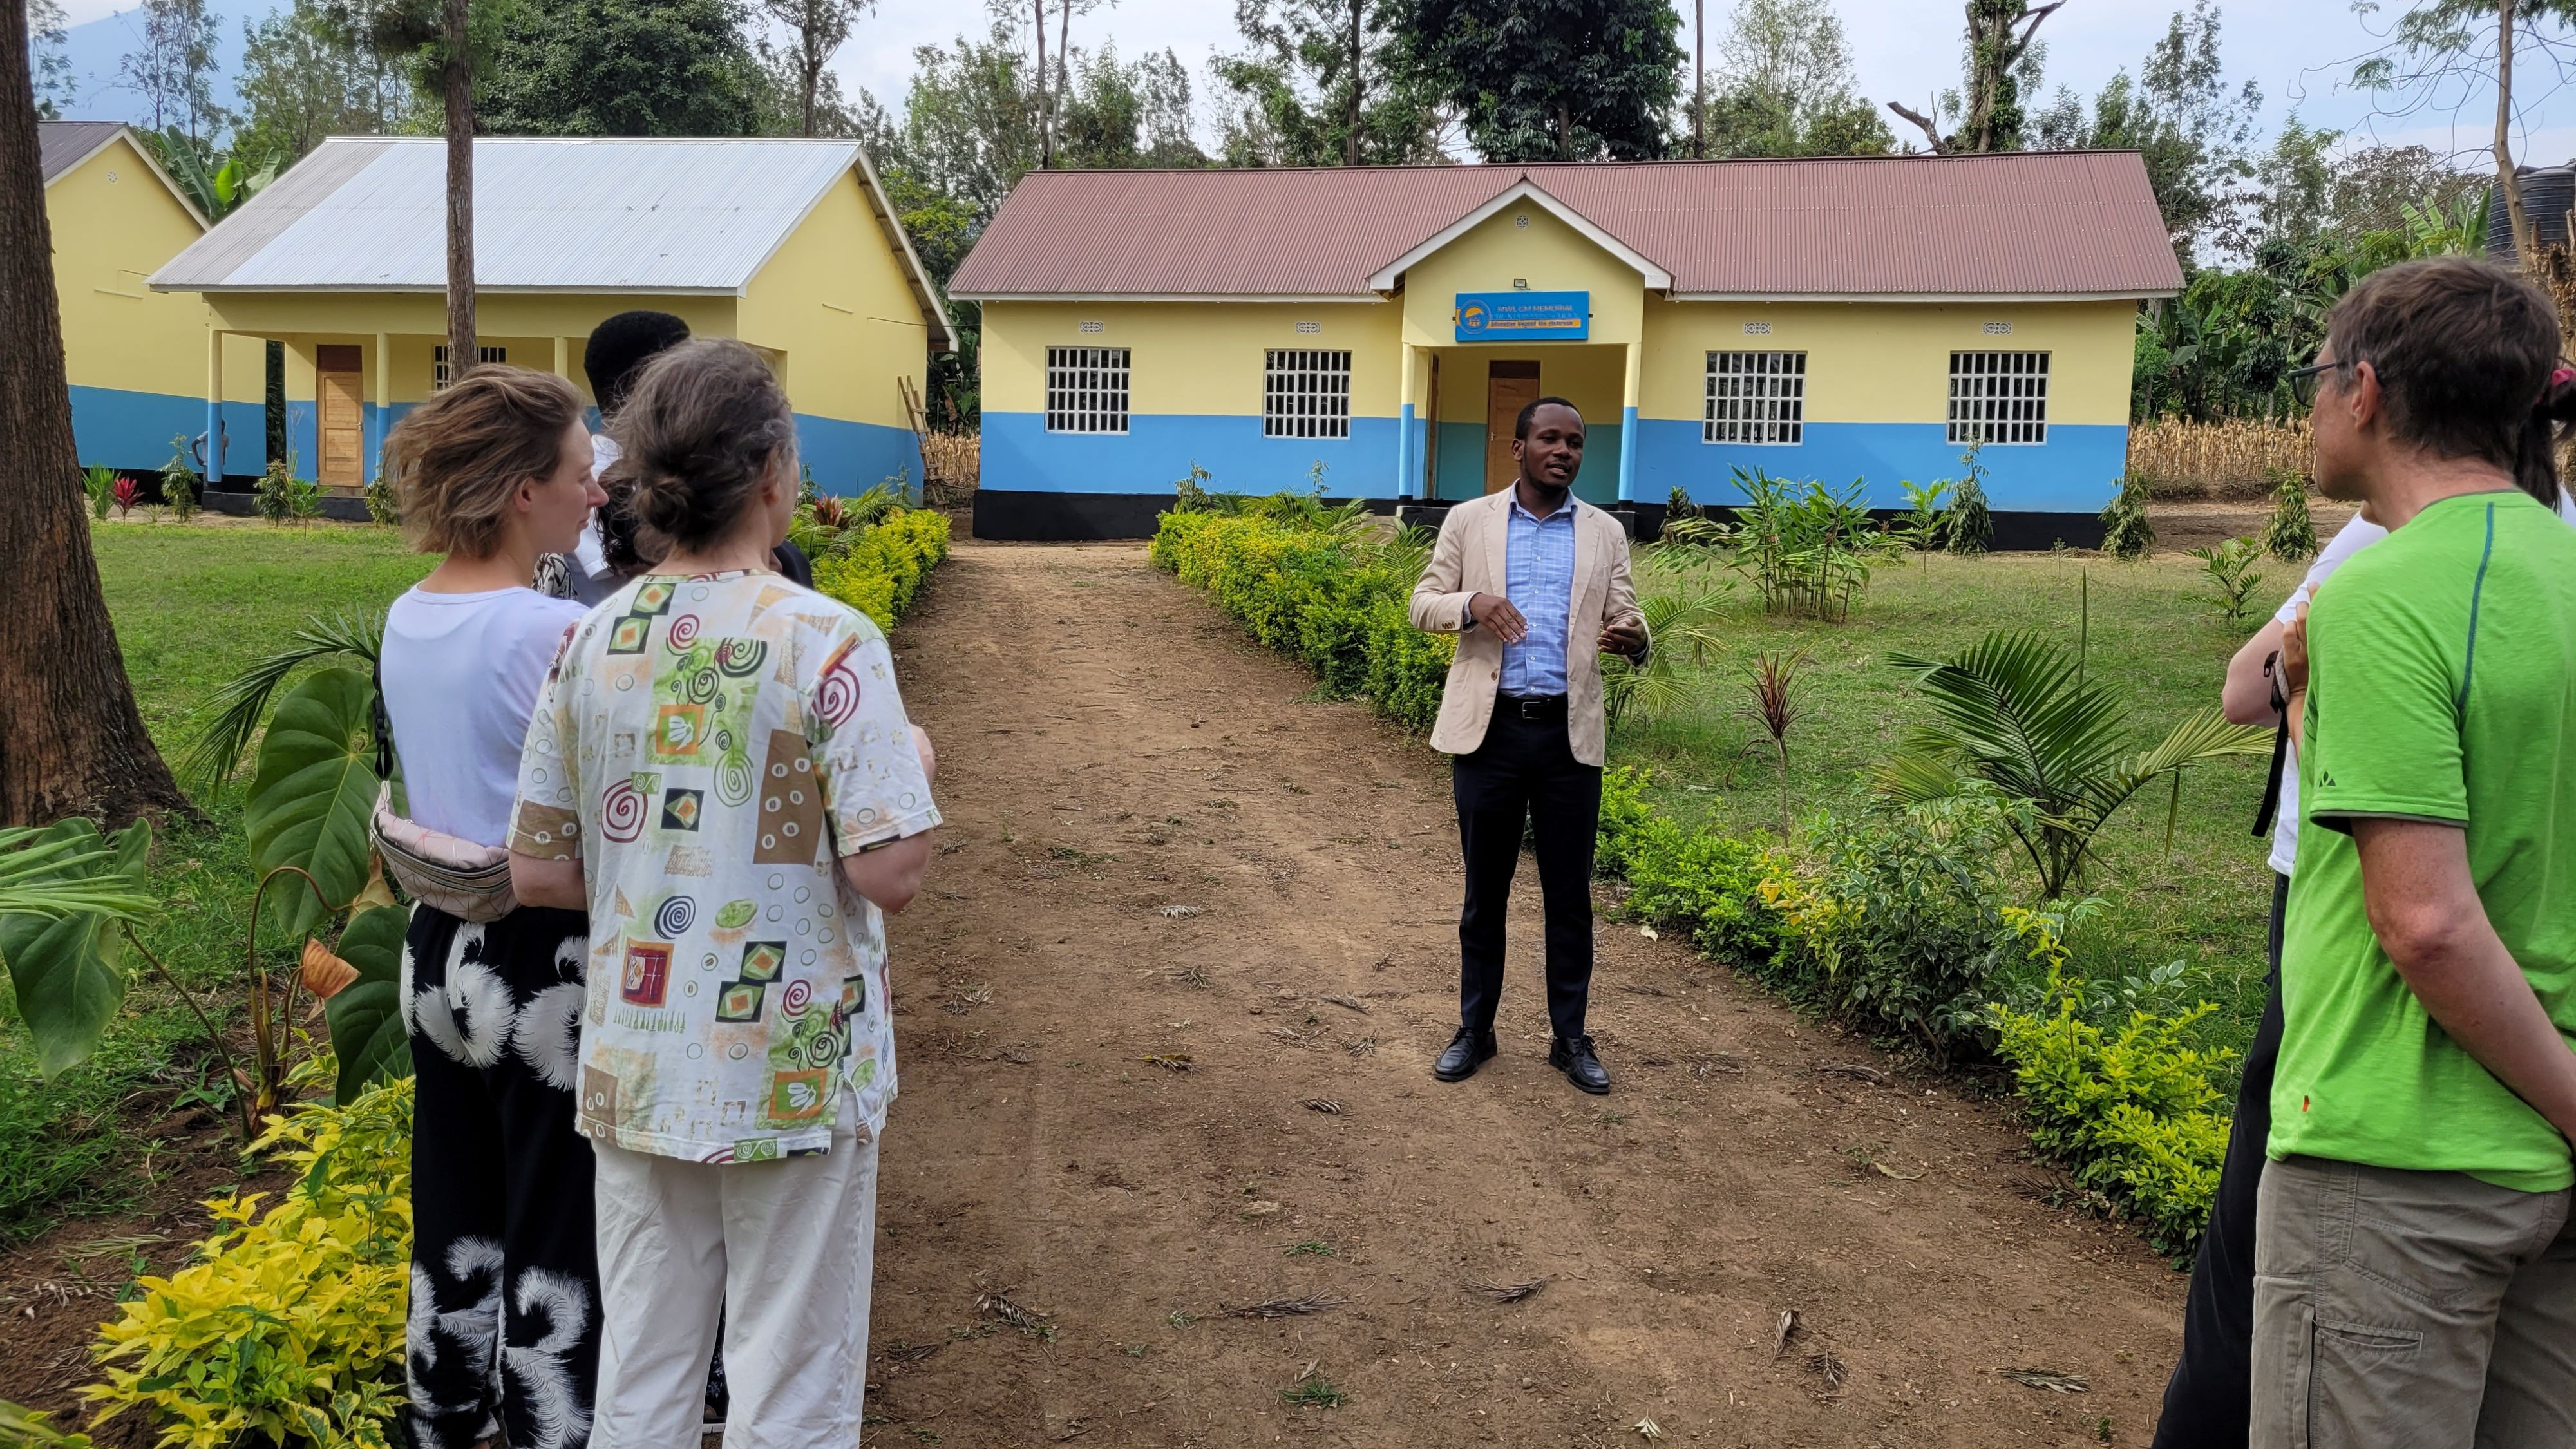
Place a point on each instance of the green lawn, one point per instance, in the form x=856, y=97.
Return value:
x=2153, y=635
x=193, y=606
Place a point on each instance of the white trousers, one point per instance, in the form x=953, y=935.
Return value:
x=785, y=1249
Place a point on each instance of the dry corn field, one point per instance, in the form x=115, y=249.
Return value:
x=2232, y=459
x=948, y=466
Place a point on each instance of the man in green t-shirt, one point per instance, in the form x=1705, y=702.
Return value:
x=2415, y=1271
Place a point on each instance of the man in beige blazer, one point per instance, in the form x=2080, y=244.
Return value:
x=1535, y=584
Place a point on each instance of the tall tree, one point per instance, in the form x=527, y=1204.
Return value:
x=818, y=29
x=1550, y=80
x=439, y=40
x=1120, y=115
x=1322, y=86
x=173, y=68
x=623, y=68
x=49, y=59
x=1785, y=87
x=2440, y=47
x=302, y=80
x=71, y=739
x=1988, y=105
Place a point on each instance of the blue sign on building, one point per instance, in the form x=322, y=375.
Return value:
x=1524, y=316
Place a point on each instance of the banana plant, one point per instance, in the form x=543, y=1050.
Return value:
x=2014, y=715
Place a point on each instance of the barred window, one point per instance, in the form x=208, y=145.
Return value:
x=438, y=363
x=1755, y=397
x=1998, y=397
x=1305, y=393
x=1086, y=390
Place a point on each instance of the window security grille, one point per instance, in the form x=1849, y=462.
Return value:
x=1755, y=397
x=1305, y=393
x=438, y=363
x=1998, y=397
x=1086, y=390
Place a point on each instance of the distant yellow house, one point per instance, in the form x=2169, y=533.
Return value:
x=136, y=359
x=788, y=245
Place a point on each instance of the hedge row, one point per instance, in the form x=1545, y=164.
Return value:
x=1899, y=923
x=878, y=569
x=1322, y=596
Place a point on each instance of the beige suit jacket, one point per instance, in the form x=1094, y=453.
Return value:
x=1468, y=561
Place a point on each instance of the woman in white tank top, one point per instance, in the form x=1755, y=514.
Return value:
x=503, y=1343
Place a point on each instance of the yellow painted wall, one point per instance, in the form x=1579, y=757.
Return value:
x=1889, y=362
x=114, y=224
x=524, y=323
x=1190, y=358
x=1588, y=376
x=1547, y=254
x=835, y=303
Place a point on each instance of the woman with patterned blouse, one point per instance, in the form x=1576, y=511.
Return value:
x=721, y=772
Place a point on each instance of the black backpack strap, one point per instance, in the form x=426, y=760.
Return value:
x=384, y=724
x=2280, y=750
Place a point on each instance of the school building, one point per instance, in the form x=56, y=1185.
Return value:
x=788, y=245
x=1377, y=328
x=135, y=359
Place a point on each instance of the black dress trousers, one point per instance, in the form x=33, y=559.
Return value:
x=2210, y=1398
x=1525, y=777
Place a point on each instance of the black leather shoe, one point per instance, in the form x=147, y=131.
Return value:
x=1573, y=1056
x=1468, y=1050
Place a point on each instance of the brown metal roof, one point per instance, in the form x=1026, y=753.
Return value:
x=2035, y=224
x=61, y=145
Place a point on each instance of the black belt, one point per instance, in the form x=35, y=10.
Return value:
x=1530, y=706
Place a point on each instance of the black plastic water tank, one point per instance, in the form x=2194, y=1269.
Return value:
x=2547, y=193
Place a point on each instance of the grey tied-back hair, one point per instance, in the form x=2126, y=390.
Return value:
x=704, y=422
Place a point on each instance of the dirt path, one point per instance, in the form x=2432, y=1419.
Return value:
x=1161, y=846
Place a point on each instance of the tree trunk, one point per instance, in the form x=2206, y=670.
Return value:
x=1351, y=137
x=1699, y=80
x=1063, y=73
x=458, y=77
x=1046, y=133
x=2525, y=235
x=71, y=740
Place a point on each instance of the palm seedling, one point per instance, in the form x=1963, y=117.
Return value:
x=1773, y=678
x=2232, y=576
x=232, y=714
x=2014, y=714
x=1676, y=623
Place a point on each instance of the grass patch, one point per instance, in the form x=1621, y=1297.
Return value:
x=193, y=606
x=1314, y=1393
x=2152, y=634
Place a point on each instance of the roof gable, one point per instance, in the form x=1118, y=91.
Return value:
x=2035, y=225
x=63, y=147
x=1384, y=279
x=668, y=216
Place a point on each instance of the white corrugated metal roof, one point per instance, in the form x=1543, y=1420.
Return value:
x=550, y=214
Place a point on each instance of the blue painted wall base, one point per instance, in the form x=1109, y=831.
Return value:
x=131, y=431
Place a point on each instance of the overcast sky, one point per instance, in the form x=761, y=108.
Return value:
x=1906, y=50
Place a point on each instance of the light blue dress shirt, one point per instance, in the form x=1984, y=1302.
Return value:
x=1538, y=577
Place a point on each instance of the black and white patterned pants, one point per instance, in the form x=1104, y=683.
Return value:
x=503, y=1337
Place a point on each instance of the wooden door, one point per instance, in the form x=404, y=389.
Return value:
x=340, y=384
x=1509, y=387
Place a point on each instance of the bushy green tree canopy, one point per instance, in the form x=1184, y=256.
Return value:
x=1550, y=80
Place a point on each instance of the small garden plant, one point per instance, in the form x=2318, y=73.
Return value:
x=2289, y=535
x=2229, y=567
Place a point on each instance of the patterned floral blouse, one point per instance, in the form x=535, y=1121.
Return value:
x=709, y=747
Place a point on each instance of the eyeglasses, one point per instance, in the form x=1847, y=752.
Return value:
x=2304, y=380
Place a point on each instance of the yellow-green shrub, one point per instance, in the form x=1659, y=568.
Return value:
x=878, y=570
x=287, y=1327
x=2129, y=1109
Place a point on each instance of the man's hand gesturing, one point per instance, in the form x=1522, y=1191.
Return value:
x=1623, y=637
x=1493, y=611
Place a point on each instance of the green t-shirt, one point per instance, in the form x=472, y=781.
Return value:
x=2443, y=687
